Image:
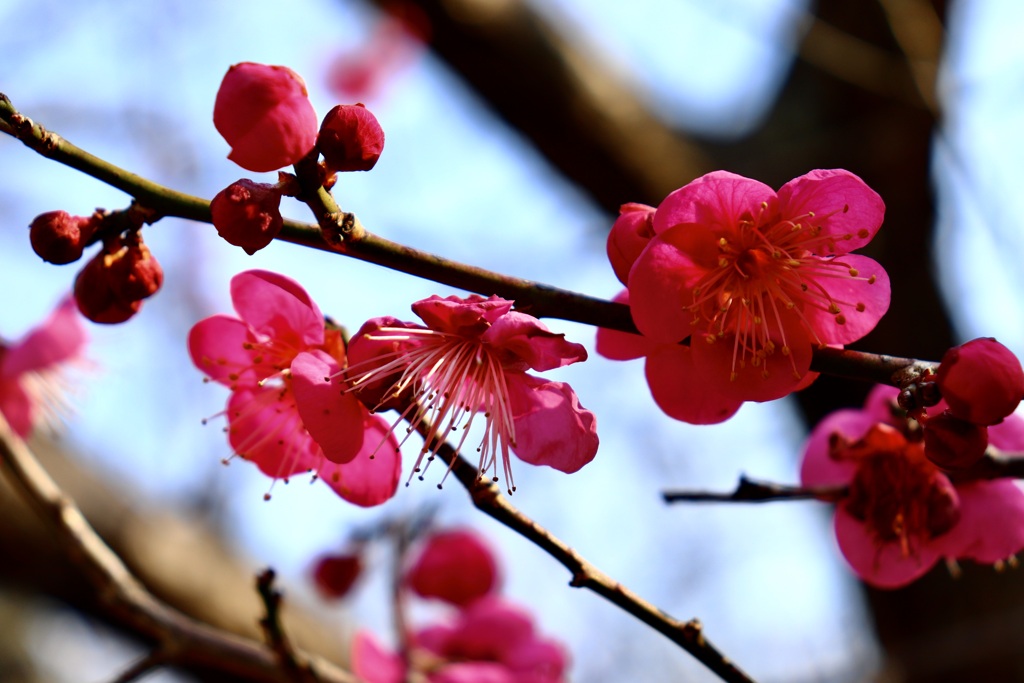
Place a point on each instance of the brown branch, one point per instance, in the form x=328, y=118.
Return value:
x=185, y=641
x=753, y=491
x=277, y=639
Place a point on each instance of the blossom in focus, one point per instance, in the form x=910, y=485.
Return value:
x=490, y=641
x=60, y=238
x=470, y=359
x=981, y=381
x=30, y=369
x=756, y=278
x=903, y=513
x=264, y=113
x=454, y=565
x=350, y=138
x=285, y=414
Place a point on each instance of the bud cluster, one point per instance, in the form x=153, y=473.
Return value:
x=264, y=113
x=111, y=286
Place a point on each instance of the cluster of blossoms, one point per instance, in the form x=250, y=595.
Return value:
x=299, y=397
x=31, y=391
x=264, y=113
x=110, y=288
x=488, y=640
x=754, y=279
x=903, y=512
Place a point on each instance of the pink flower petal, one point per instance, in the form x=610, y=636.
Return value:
x=679, y=390
x=717, y=200
x=851, y=294
x=843, y=205
x=332, y=416
x=629, y=235
x=880, y=402
x=881, y=565
x=16, y=407
x=529, y=339
x=59, y=338
x=1008, y=435
x=454, y=565
x=217, y=347
x=617, y=345
x=465, y=316
x=371, y=477
x=991, y=526
x=662, y=279
x=488, y=628
x=277, y=306
x=474, y=672
x=552, y=428
x=539, y=659
x=372, y=663
x=818, y=467
x=265, y=428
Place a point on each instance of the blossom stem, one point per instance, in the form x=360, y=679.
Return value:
x=341, y=232
x=487, y=497
x=754, y=491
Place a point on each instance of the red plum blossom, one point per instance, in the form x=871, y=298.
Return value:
x=981, y=381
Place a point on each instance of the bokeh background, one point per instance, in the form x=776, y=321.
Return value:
x=514, y=131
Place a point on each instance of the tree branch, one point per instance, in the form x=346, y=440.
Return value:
x=753, y=491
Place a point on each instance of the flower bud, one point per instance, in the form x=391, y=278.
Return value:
x=59, y=237
x=95, y=295
x=952, y=443
x=350, y=138
x=334, y=575
x=630, y=233
x=247, y=214
x=134, y=272
x=264, y=113
x=981, y=381
x=454, y=566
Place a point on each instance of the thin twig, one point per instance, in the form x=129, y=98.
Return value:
x=753, y=491
x=142, y=667
x=184, y=641
x=277, y=639
x=342, y=233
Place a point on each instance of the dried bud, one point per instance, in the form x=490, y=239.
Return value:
x=350, y=138
x=454, y=566
x=247, y=214
x=334, y=575
x=981, y=381
x=265, y=114
x=134, y=272
x=952, y=443
x=95, y=295
x=630, y=233
x=58, y=237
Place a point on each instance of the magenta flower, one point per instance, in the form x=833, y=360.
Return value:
x=756, y=278
x=902, y=513
x=285, y=414
x=471, y=357
x=490, y=641
x=982, y=381
x=264, y=113
x=455, y=566
x=31, y=390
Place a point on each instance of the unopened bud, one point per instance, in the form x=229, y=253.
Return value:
x=334, y=575
x=350, y=138
x=455, y=566
x=981, y=381
x=58, y=237
x=135, y=273
x=95, y=295
x=247, y=214
x=952, y=443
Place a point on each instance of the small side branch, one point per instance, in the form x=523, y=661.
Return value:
x=277, y=639
x=753, y=491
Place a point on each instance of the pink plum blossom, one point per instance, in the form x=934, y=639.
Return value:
x=756, y=279
x=903, y=513
x=471, y=357
x=285, y=414
x=454, y=565
x=30, y=369
x=490, y=641
x=264, y=113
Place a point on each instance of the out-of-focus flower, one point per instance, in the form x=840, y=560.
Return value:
x=490, y=641
x=756, y=278
x=471, y=358
x=247, y=214
x=454, y=565
x=60, y=238
x=31, y=391
x=981, y=381
x=334, y=575
x=264, y=113
x=350, y=138
x=902, y=513
x=285, y=414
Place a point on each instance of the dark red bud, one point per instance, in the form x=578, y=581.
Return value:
x=334, y=575
x=247, y=214
x=981, y=381
x=350, y=138
x=95, y=295
x=952, y=443
x=135, y=273
x=58, y=237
